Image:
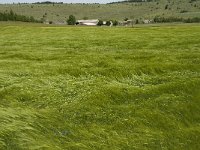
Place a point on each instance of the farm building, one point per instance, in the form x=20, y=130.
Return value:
x=93, y=22
x=147, y=21
x=126, y=23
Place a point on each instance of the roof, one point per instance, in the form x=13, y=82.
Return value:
x=88, y=21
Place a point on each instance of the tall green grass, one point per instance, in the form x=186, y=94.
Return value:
x=99, y=88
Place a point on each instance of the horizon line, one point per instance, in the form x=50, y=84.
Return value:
x=43, y=2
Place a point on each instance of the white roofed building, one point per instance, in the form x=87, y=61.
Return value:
x=93, y=22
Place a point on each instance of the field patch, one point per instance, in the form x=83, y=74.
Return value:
x=99, y=88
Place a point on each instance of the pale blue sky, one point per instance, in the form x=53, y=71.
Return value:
x=65, y=1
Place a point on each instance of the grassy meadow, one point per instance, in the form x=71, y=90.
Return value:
x=98, y=88
x=119, y=11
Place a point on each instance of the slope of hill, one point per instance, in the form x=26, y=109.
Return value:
x=139, y=10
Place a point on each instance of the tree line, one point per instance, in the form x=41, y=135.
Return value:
x=48, y=2
x=11, y=16
x=158, y=19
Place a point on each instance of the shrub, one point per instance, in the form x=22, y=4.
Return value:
x=71, y=20
x=108, y=23
x=115, y=22
x=126, y=19
x=183, y=11
x=100, y=23
x=136, y=21
x=166, y=6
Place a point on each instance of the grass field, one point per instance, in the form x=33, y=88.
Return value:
x=148, y=10
x=100, y=88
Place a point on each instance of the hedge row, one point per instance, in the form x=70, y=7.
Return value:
x=174, y=19
x=11, y=16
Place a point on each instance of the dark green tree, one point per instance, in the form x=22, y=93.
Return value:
x=100, y=23
x=115, y=22
x=136, y=21
x=71, y=20
x=125, y=19
x=108, y=23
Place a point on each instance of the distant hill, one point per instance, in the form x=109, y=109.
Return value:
x=48, y=2
x=133, y=9
x=134, y=1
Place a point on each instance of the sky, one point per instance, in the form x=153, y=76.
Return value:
x=65, y=1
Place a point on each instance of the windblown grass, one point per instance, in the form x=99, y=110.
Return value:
x=99, y=88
